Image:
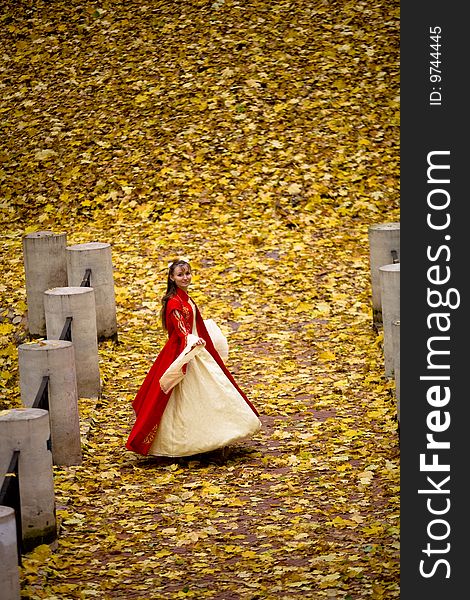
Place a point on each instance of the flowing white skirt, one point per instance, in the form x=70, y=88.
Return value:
x=204, y=412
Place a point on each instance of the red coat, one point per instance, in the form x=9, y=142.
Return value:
x=150, y=401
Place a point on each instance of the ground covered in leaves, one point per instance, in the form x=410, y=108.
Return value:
x=260, y=139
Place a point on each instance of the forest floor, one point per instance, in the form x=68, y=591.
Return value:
x=261, y=140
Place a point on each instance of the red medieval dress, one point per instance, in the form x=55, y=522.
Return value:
x=189, y=402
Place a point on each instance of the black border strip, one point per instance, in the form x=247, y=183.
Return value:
x=434, y=301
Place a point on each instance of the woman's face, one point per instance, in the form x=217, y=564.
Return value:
x=182, y=276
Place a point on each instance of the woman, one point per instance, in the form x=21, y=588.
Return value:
x=189, y=402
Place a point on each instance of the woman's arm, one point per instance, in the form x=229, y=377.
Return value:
x=179, y=325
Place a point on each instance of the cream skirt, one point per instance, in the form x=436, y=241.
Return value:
x=204, y=412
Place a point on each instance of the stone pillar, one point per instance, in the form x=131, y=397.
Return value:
x=27, y=430
x=396, y=363
x=45, y=266
x=9, y=572
x=384, y=249
x=96, y=256
x=78, y=303
x=390, y=295
x=55, y=359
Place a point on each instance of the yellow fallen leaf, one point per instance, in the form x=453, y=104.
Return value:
x=327, y=355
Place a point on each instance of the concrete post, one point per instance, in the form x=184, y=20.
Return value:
x=78, y=303
x=9, y=572
x=96, y=256
x=384, y=249
x=45, y=266
x=55, y=359
x=396, y=363
x=27, y=430
x=390, y=295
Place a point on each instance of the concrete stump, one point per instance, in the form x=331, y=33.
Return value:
x=55, y=359
x=78, y=303
x=9, y=572
x=396, y=363
x=390, y=295
x=96, y=256
x=27, y=430
x=384, y=249
x=45, y=267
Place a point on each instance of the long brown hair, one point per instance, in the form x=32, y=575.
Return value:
x=171, y=288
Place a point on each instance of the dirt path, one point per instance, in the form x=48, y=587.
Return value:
x=308, y=508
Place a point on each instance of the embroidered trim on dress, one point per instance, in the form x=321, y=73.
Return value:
x=150, y=435
x=181, y=323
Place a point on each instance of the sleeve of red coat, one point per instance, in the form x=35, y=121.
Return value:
x=176, y=325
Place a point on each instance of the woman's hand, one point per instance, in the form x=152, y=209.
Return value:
x=200, y=342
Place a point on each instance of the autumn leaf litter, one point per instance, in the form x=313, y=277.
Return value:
x=261, y=140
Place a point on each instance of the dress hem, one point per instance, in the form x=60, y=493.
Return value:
x=197, y=452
